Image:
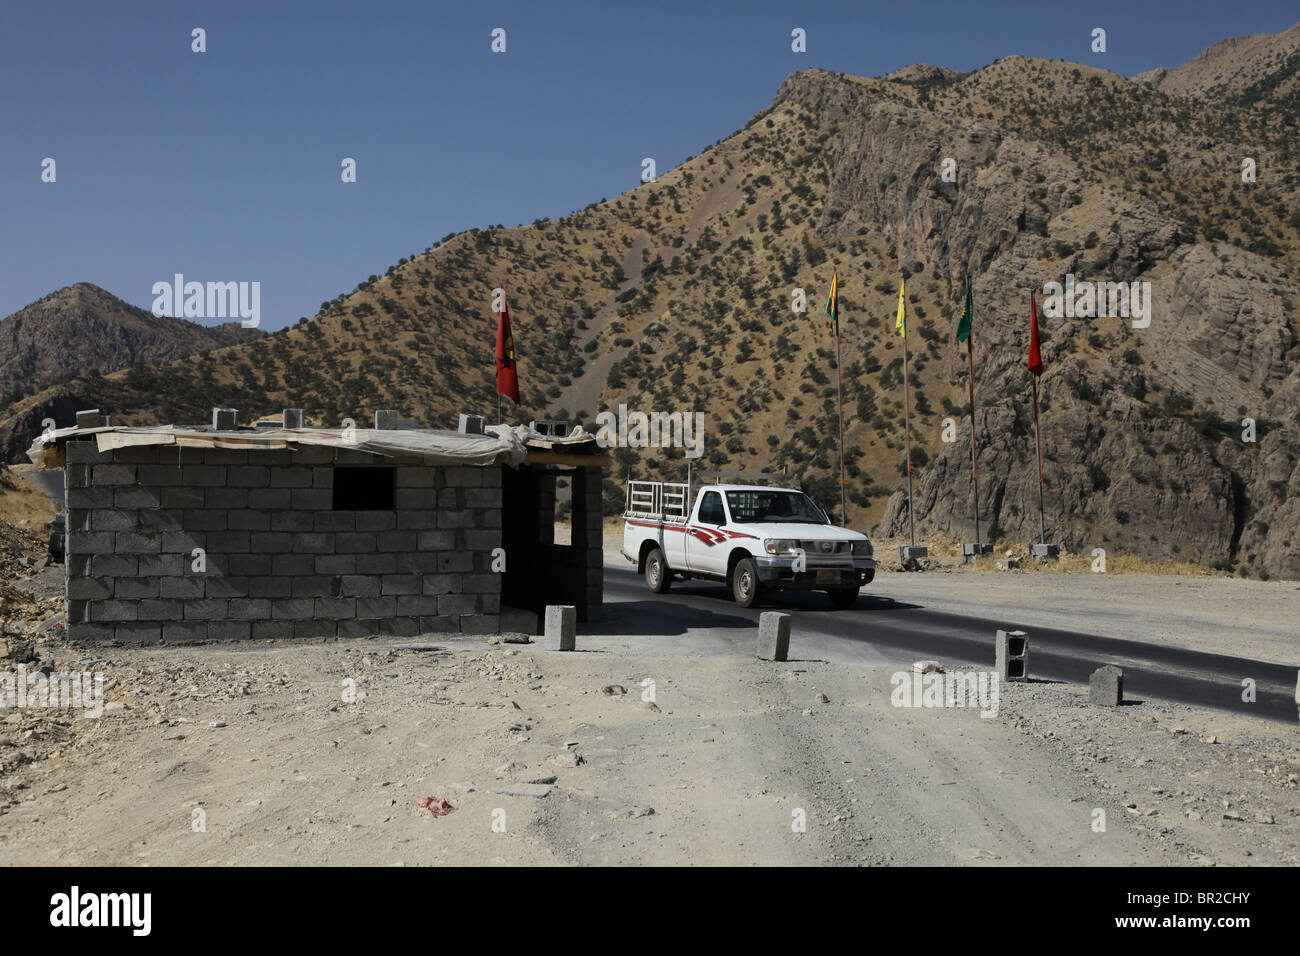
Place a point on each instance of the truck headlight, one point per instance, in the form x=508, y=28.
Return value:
x=863, y=548
x=780, y=545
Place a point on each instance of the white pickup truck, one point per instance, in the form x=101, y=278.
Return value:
x=753, y=538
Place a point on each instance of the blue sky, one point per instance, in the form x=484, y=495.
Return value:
x=225, y=165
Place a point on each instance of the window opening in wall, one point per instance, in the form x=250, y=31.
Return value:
x=364, y=489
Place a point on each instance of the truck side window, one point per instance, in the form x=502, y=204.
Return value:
x=711, y=509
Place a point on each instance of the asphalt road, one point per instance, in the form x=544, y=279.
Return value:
x=700, y=617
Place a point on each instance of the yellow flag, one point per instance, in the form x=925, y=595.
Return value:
x=901, y=325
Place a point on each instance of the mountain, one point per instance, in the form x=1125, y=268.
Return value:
x=82, y=328
x=679, y=295
x=1262, y=70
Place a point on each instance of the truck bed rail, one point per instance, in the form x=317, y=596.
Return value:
x=664, y=499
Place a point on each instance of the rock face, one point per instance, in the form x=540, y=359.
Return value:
x=82, y=327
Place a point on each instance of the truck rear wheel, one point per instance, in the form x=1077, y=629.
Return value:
x=657, y=576
x=745, y=586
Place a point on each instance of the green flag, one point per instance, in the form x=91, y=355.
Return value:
x=963, y=327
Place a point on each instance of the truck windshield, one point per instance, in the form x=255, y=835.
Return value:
x=792, y=507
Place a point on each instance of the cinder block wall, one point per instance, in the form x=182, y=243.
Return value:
x=280, y=562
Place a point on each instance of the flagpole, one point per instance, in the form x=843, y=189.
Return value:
x=974, y=470
x=1038, y=445
x=907, y=423
x=839, y=397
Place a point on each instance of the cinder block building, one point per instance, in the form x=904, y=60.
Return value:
x=224, y=532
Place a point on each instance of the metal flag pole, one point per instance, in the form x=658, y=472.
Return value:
x=839, y=396
x=907, y=423
x=974, y=469
x=1039, y=446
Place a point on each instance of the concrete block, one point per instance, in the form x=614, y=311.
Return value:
x=482, y=497
x=467, y=476
x=86, y=453
x=415, y=478
x=359, y=585
x=290, y=478
x=561, y=626
x=416, y=499
x=90, y=589
x=458, y=519
x=157, y=476
x=1106, y=686
x=401, y=584
x=89, y=498
x=104, y=519
x=92, y=542
x=90, y=418
x=229, y=630
x=376, y=608
x=112, y=475
x=1044, y=552
x=181, y=497
x=481, y=583
x=470, y=424
x=482, y=540
x=436, y=540
x=313, y=543
x=356, y=628
x=492, y=477
x=276, y=543
x=324, y=521
x=270, y=499
x=479, y=624
x=161, y=565
x=399, y=627
x=228, y=542
x=293, y=609
x=249, y=520
x=84, y=631
x=322, y=478
x=489, y=603
x=417, y=605
x=417, y=519
x=336, y=563
x=249, y=609
x=138, y=498
x=208, y=609
x=311, y=499
x=385, y=419
x=312, y=587
x=415, y=562
x=313, y=455
x=144, y=455
x=160, y=609
x=78, y=565
x=152, y=520
x=132, y=589
x=384, y=562
x=1011, y=655
x=225, y=419
x=183, y=588
x=292, y=521
x=203, y=476
x=774, y=636
x=455, y=562
x=293, y=418
x=270, y=587
x=315, y=628
x=440, y=625
x=114, y=565
x=294, y=565
x=228, y=498
x=400, y=541
x=103, y=611
x=336, y=608
x=226, y=586
x=135, y=632
x=185, y=631
x=180, y=542
x=355, y=542
x=131, y=542
x=376, y=521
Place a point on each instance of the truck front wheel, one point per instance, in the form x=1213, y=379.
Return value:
x=657, y=576
x=745, y=586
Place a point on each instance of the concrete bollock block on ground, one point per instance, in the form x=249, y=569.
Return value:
x=1012, y=655
x=561, y=627
x=1106, y=686
x=774, y=636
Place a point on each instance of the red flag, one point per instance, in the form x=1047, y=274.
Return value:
x=507, y=367
x=1035, y=358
